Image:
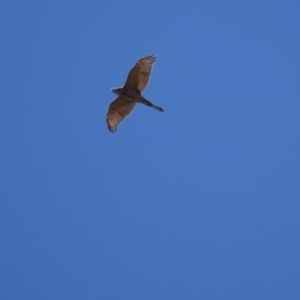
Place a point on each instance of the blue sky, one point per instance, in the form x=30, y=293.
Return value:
x=199, y=202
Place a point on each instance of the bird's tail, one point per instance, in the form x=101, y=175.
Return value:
x=148, y=103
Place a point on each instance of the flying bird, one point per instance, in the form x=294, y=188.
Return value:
x=131, y=93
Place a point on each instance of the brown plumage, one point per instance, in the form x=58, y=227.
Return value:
x=131, y=93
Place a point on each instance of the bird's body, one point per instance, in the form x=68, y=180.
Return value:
x=131, y=93
x=134, y=96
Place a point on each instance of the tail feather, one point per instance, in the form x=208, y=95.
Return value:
x=148, y=103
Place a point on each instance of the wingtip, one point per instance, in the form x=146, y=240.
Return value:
x=112, y=130
x=151, y=56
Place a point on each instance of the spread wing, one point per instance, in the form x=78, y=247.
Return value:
x=139, y=76
x=118, y=110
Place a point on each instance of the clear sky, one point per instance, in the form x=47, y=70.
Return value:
x=201, y=201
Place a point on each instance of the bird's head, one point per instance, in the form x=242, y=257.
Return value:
x=116, y=90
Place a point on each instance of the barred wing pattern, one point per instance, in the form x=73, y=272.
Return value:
x=139, y=76
x=118, y=110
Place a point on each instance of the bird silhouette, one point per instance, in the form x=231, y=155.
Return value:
x=131, y=93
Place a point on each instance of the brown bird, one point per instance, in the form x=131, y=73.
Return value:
x=131, y=93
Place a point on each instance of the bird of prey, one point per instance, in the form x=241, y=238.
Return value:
x=131, y=93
